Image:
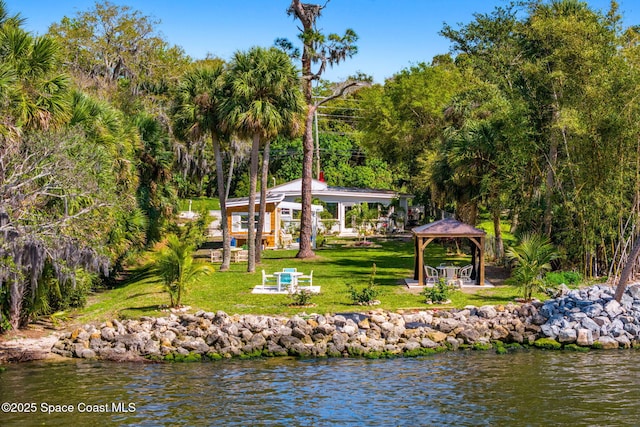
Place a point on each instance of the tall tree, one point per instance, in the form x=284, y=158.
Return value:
x=481, y=148
x=116, y=51
x=197, y=115
x=403, y=120
x=53, y=209
x=37, y=92
x=322, y=51
x=264, y=181
x=264, y=102
x=565, y=44
x=560, y=63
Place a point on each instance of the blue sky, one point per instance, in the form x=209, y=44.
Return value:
x=394, y=34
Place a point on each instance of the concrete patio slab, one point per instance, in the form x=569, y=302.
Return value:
x=274, y=290
x=413, y=284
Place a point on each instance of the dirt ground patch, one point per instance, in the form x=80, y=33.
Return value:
x=496, y=275
x=31, y=332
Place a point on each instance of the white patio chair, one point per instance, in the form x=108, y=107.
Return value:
x=268, y=278
x=242, y=255
x=285, y=239
x=465, y=274
x=286, y=280
x=451, y=274
x=216, y=255
x=306, y=280
x=430, y=275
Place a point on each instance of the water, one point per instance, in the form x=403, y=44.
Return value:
x=528, y=388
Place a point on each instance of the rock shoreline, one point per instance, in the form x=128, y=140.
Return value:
x=585, y=318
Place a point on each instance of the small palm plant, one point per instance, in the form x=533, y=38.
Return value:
x=363, y=218
x=175, y=268
x=532, y=257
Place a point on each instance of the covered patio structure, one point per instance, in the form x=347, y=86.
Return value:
x=449, y=228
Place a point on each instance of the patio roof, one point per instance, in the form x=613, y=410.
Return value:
x=448, y=228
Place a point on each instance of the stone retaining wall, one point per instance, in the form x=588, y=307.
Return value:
x=588, y=317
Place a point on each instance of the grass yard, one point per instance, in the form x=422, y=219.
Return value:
x=333, y=268
x=199, y=203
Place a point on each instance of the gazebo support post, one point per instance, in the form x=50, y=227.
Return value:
x=481, y=261
x=417, y=259
x=479, y=243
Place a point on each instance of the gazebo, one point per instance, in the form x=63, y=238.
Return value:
x=449, y=228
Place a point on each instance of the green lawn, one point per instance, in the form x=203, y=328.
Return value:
x=333, y=268
x=505, y=228
x=199, y=203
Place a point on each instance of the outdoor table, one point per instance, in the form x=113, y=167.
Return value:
x=294, y=278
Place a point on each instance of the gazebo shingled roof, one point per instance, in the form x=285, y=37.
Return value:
x=447, y=228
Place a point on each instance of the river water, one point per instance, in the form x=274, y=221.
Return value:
x=466, y=388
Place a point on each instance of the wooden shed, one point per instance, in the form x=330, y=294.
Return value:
x=278, y=212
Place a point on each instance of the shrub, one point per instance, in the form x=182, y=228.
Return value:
x=301, y=297
x=555, y=278
x=440, y=292
x=532, y=258
x=175, y=268
x=367, y=294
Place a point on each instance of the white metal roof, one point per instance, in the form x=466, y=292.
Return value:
x=321, y=189
x=277, y=199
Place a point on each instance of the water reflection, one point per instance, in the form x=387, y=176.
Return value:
x=529, y=388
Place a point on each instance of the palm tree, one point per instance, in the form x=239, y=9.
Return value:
x=264, y=102
x=319, y=51
x=363, y=217
x=175, y=268
x=532, y=256
x=196, y=115
x=39, y=98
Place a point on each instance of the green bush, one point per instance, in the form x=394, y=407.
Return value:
x=555, y=278
x=367, y=294
x=301, y=298
x=532, y=258
x=439, y=293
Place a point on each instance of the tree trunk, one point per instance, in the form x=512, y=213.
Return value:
x=548, y=196
x=226, y=238
x=515, y=218
x=251, y=221
x=628, y=268
x=307, y=180
x=550, y=179
x=263, y=201
x=232, y=162
x=16, y=296
x=498, y=233
x=307, y=17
